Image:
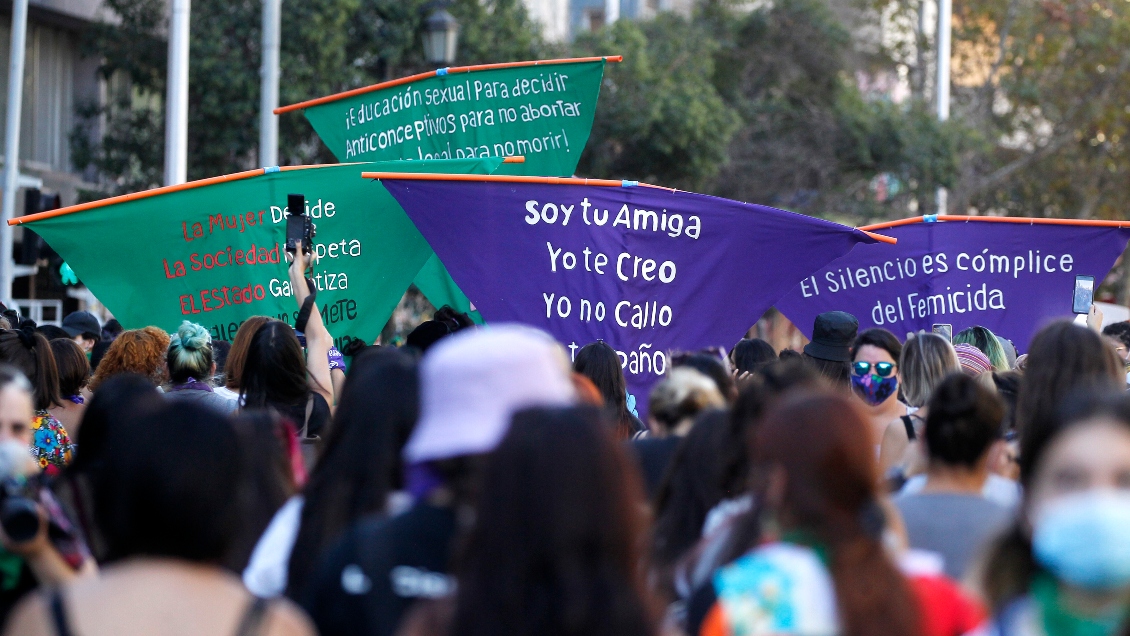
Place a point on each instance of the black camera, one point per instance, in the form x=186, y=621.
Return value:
x=19, y=513
x=299, y=227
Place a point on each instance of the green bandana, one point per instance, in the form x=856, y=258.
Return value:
x=1059, y=620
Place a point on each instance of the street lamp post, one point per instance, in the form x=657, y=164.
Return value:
x=441, y=37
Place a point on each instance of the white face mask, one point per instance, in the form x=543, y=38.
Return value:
x=1084, y=538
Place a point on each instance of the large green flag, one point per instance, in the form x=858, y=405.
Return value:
x=212, y=252
x=540, y=110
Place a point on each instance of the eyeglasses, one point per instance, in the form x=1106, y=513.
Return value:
x=882, y=369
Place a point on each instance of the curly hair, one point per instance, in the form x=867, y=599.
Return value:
x=140, y=351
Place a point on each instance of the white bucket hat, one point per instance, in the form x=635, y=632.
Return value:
x=473, y=382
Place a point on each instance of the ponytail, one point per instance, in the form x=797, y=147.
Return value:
x=27, y=350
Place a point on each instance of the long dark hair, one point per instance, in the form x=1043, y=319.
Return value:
x=819, y=440
x=274, y=372
x=72, y=366
x=360, y=462
x=30, y=352
x=269, y=481
x=598, y=362
x=1062, y=358
x=751, y=354
x=690, y=488
x=556, y=546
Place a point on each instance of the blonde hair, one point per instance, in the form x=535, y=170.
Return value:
x=683, y=393
x=926, y=360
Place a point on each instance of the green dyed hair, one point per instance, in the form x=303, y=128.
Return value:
x=190, y=354
x=987, y=343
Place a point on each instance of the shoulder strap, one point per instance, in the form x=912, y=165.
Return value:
x=309, y=412
x=59, y=613
x=909, y=424
x=252, y=619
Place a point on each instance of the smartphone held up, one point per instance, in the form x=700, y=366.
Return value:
x=1084, y=295
x=299, y=226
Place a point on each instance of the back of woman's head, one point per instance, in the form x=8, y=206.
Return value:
x=274, y=371
x=269, y=481
x=556, y=544
x=72, y=365
x=1062, y=358
x=987, y=343
x=119, y=398
x=30, y=352
x=360, y=460
x=837, y=373
x=817, y=445
x=963, y=421
x=598, y=362
x=237, y=356
x=710, y=365
x=190, y=354
x=926, y=360
x=750, y=354
x=683, y=393
x=170, y=486
x=137, y=351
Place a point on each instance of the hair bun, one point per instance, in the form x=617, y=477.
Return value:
x=191, y=336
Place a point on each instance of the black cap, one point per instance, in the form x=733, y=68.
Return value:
x=81, y=322
x=832, y=335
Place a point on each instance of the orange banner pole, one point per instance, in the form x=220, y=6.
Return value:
x=514, y=159
x=413, y=176
x=450, y=71
x=997, y=219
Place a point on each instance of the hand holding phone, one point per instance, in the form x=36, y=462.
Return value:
x=943, y=330
x=1084, y=295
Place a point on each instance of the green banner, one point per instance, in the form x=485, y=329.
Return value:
x=436, y=284
x=542, y=112
x=213, y=254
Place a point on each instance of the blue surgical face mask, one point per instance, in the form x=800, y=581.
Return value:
x=873, y=389
x=1084, y=539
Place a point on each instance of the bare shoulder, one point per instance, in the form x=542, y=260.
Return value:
x=29, y=618
x=284, y=618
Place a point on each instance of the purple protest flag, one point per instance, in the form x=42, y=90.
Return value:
x=648, y=270
x=1009, y=277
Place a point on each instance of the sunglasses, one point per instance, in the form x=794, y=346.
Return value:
x=882, y=369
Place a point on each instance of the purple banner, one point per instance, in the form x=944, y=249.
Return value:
x=1009, y=277
x=647, y=270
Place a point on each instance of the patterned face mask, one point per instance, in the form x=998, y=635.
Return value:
x=873, y=389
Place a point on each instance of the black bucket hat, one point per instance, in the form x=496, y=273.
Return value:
x=832, y=335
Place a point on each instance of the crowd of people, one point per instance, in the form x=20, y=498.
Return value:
x=477, y=481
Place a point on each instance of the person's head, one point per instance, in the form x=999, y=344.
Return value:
x=556, y=546
x=119, y=398
x=598, y=362
x=16, y=407
x=237, y=356
x=963, y=421
x=360, y=460
x=926, y=360
x=171, y=485
x=220, y=351
x=99, y=352
x=815, y=473
x=30, y=353
x=987, y=343
x=1074, y=521
x=137, y=351
x=751, y=354
x=74, y=370
x=678, y=398
x=1118, y=335
x=51, y=332
x=470, y=386
x=829, y=352
x=427, y=334
x=268, y=480
x=112, y=329
x=972, y=361
x=190, y=354
x=709, y=364
x=1008, y=388
x=274, y=369
x=1062, y=358
x=83, y=328
x=1009, y=350
x=874, y=366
